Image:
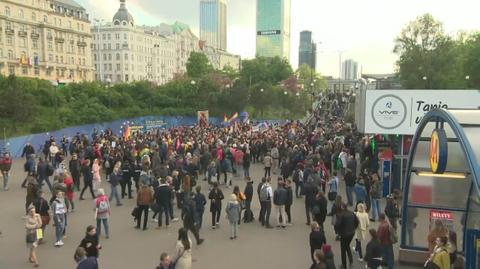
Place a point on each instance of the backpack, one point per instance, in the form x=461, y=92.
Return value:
x=296, y=176
x=264, y=195
x=103, y=206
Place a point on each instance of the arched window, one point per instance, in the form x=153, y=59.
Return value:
x=20, y=13
x=10, y=54
x=116, y=22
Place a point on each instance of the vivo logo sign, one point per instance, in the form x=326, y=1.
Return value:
x=389, y=112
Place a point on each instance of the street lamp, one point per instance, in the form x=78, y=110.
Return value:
x=193, y=82
x=285, y=92
x=261, y=90
x=297, y=94
x=425, y=79
x=467, y=78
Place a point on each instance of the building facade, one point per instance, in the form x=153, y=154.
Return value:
x=307, y=51
x=273, y=28
x=213, y=23
x=125, y=52
x=350, y=70
x=46, y=39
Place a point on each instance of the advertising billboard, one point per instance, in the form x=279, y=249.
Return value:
x=400, y=111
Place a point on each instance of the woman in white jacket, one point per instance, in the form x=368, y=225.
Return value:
x=362, y=229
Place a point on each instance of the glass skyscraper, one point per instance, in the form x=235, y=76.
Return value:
x=273, y=28
x=213, y=23
x=307, y=50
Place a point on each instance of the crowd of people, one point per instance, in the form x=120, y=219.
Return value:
x=164, y=168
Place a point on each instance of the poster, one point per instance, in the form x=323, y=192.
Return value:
x=202, y=118
x=446, y=217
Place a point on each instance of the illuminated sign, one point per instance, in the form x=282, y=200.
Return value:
x=269, y=32
x=438, y=151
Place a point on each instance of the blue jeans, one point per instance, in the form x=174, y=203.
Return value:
x=387, y=254
x=5, y=179
x=59, y=226
x=47, y=180
x=199, y=218
x=163, y=210
x=375, y=208
x=115, y=194
x=349, y=191
x=246, y=171
x=99, y=227
x=298, y=188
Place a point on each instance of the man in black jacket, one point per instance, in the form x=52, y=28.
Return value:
x=288, y=204
x=75, y=167
x=259, y=187
x=310, y=192
x=346, y=224
x=188, y=218
x=280, y=197
x=163, y=198
x=43, y=170
x=248, y=216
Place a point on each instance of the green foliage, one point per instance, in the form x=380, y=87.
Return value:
x=431, y=59
x=33, y=106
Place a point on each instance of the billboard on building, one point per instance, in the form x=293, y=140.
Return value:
x=400, y=111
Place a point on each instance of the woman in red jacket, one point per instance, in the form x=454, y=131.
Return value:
x=68, y=181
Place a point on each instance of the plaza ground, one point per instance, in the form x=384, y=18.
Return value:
x=127, y=247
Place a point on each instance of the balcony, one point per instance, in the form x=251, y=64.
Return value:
x=35, y=35
x=22, y=33
x=9, y=31
x=81, y=44
x=59, y=40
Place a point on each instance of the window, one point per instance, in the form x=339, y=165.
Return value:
x=117, y=46
x=109, y=36
x=61, y=59
x=10, y=55
x=23, y=42
x=118, y=67
x=104, y=57
x=9, y=40
x=34, y=16
x=109, y=46
x=94, y=57
x=35, y=44
x=45, y=18
x=72, y=73
x=104, y=46
x=81, y=26
x=117, y=36
x=56, y=59
x=24, y=70
x=126, y=56
x=104, y=36
x=109, y=57
x=36, y=70
x=8, y=25
x=109, y=67
x=50, y=57
x=7, y=11
x=20, y=13
x=83, y=61
x=105, y=67
x=125, y=36
x=50, y=45
x=126, y=78
x=11, y=69
x=118, y=57
x=119, y=78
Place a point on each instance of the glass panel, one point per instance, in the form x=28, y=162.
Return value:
x=473, y=135
x=425, y=190
x=473, y=221
x=419, y=222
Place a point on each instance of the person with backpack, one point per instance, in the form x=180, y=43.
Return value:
x=59, y=210
x=346, y=224
x=215, y=196
x=298, y=180
x=102, y=213
x=144, y=200
x=266, y=196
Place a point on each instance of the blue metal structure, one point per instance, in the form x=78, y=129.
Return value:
x=464, y=129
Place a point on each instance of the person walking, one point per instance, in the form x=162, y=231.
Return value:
x=319, y=208
x=280, y=197
x=183, y=258
x=361, y=232
x=75, y=169
x=44, y=171
x=90, y=242
x=266, y=196
x=298, y=180
x=144, y=200
x=97, y=179
x=59, y=210
x=84, y=262
x=233, y=215
x=87, y=179
x=200, y=202
x=349, y=186
x=360, y=192
x=102, y=213
x=68, y=181
x=126, y=181
x=114, y=179
x=384, y=232
x=317, y=238
x=310, y=193
x=188, y=217
x=347, y=223
x=267, y=162
x=5, y=167
x=42, y=207
x=373, y=253
x=215, y=196
x=163, y=197
x=33, y=222
x=375, y=195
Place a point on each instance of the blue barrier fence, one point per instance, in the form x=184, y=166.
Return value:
x=15, y=145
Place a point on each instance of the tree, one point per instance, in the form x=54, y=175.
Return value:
x=306, y=76
x=198, y=65
x=471, y=63
x=427, y=56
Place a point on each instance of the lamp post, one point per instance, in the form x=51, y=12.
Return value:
x=467, y=80
x=425, y=78
x=55, y=86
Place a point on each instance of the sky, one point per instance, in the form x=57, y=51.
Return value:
x=361, y=30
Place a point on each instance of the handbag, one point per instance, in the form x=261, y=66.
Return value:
x=39, y=234
x=31, y=237
x=155, y=207
x=45, y=220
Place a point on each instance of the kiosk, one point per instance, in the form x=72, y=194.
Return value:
x=443, y=183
